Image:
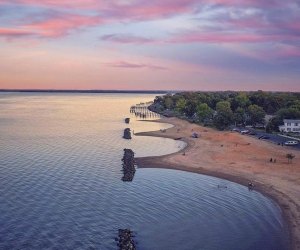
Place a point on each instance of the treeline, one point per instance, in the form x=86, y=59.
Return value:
x=222, y=109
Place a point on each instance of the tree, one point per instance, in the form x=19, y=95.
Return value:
x=190, y=108
x=204, y=112
x=284, y=113
x=288, y=113
x=273, y=124
x=256, y=114
x=239, y=116
x=224, y=115
x=180, y=105
x=241, y=100
x=168, y=102
x=296, y=105
x=290, y=157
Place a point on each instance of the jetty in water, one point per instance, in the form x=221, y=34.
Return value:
x=142, y=111
x=128, y=165
x=125, y=240
x=127, y=133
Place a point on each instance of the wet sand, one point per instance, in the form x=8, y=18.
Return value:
x=238, y=158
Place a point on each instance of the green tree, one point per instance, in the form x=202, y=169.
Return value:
x=224, y=115
x=288, y=113
x=256, y=114
x=296, y=105
x=168, y=102
x=241, y=100
x=190, y=108
x=204, y=112
x=239, y=116
x=285, y=113
x=180, y=105
x=273, y=124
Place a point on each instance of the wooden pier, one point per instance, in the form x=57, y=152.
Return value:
x=141, y=111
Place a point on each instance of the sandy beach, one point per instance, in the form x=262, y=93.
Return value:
x=238, y=158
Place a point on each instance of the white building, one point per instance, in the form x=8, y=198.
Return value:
x=290, y=126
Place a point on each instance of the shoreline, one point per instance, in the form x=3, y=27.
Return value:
x=233, y=160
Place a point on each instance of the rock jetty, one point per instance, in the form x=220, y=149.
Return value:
x=128, y=165
x=127, y=133
x=125, y=241
x=127, y=120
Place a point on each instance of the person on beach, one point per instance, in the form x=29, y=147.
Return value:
x=271, y=160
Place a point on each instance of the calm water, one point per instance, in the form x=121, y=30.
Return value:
x=60, y=187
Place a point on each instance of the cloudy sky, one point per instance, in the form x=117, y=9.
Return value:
x=150, y=44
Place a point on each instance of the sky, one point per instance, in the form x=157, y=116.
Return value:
x=150, y=44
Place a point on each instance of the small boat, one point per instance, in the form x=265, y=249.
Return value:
x=291, y=143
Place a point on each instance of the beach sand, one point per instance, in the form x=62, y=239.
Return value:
x=238, y=158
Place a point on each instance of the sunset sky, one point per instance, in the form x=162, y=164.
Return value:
x=150, y=44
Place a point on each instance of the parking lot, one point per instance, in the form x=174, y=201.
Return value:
x=274, y=138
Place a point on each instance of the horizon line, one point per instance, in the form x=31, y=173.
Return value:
x=132, y=91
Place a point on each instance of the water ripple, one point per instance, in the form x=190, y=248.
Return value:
x=60, y=188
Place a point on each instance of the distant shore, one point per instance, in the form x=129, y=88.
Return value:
x=83, y=91
x=238, y=158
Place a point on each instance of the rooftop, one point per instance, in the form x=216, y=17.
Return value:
x=291, y=120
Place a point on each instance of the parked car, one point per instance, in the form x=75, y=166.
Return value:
x=245, y=131
x=264, y=137
x=252, y=133
x=291, y=143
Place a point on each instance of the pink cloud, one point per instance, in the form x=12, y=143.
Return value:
x=107, y=11
x=84, y=4
x=118, y=9
x=284, y=51
x=247, y=3
x=61, y=25
x=145, y=10
x=126, y=38
x=123, y=64
x=53, y=26
x=12, y=32
x=230, y=37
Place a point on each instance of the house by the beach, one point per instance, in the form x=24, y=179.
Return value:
x=290, y=126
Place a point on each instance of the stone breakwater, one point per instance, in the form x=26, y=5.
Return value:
x=128, y=165
x=127, y=120
x=125, y=240
x=127, y=133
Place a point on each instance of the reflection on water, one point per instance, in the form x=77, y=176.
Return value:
x=60, y=188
